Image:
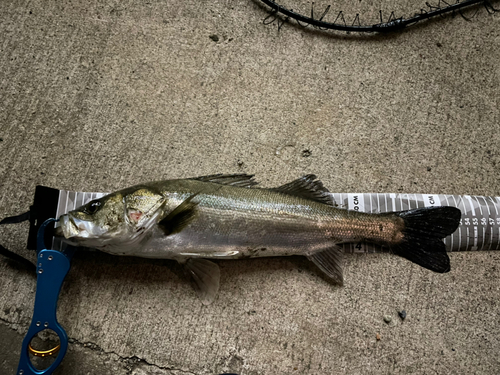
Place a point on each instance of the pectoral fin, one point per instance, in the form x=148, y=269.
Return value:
x=331, y=262
x=206, y=277
x=180, y=217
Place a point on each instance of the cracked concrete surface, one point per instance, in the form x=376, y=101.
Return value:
x=96, y=96
x=82, y=358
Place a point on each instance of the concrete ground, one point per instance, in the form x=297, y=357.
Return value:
x=97, y=96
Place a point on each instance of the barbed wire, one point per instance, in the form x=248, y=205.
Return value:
x=281, y=15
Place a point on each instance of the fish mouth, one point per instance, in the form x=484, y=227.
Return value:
x=71, y=227
x=66, y=227
x=78, y=229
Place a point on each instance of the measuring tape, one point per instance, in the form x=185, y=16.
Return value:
x=479, y=227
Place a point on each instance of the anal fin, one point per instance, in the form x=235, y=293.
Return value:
x=206, y=277
x=331, y=262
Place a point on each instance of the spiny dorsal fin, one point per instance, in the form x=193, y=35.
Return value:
x=307, y=187
x=181, y=216
x=239, y=179
x=331, y=262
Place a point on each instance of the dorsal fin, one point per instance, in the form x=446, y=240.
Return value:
x=307, y=187
x=239, y=179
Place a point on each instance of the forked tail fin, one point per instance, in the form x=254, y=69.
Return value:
x=424, y=230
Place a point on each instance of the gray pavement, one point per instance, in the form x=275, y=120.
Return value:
x=97, y=96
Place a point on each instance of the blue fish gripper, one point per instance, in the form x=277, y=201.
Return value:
x=51, y=269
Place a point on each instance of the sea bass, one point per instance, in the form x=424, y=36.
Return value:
x=228, y=217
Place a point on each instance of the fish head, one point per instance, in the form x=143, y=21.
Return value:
x=114, y=223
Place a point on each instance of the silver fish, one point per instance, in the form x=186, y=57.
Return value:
x=227, y=217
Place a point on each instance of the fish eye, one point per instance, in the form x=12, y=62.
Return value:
x=92, y=207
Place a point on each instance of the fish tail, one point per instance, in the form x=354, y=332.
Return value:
x=424, y=230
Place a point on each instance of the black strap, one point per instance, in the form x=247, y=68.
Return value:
x=44, y=206
x=18, y=258
x=9, y=254
x=16, y=219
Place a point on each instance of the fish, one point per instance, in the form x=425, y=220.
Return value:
x=226, y=216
